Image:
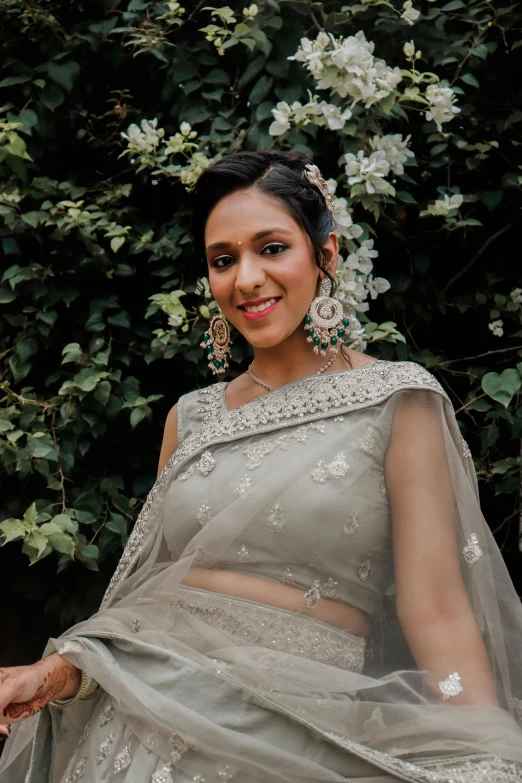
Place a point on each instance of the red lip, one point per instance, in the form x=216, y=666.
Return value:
x=257, y=302
x=262, y=313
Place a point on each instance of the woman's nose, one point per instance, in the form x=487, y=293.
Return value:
x=250, y=274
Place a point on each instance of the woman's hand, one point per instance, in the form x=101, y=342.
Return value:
x=25, y=690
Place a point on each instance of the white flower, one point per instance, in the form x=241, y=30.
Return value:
x=251, y=11
x=281, y=121
x=146, y=139
x=395, y=149
x=516, y=295
x=441, y=100
x=335, y=119
x=496, y=328
x=344, y=225
x=409, y=14
x=409, y=49
x=175, y=320
x=377, y=285
x=446, y=206
x=207, y=293
x=185, y=128
x=371, y=171
x=361, y=259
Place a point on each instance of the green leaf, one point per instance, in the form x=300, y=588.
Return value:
x=404, y=195
x=10, y=80
x=137, y=415
x=468, y=78
x=454, y=5
x=6, y=425
x=492, y=198
x=65, y=523
x=12, y=529
x=502, y=387
x=480, y=51
x=260, y=90
x=52, y=96
x=116, y=243
x=64, y=74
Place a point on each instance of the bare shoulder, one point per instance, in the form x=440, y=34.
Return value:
x=359, y=359
x=170, y=438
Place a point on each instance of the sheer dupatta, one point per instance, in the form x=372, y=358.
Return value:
x=402, y=455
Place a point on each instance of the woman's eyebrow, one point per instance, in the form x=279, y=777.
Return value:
x=259, y=235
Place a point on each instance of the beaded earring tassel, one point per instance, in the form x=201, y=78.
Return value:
x=217, y=342
x=325, y=321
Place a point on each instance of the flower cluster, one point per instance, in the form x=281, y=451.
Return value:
x=442, y=104
x=146, y=139
x=395, y=149
x=496, y=328
x=444, y=207
x=318, y=113
x=409, y=13
x=344, y=225
x=348, y=67
x=370, y=171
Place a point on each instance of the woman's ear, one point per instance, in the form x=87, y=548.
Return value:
x=331, y=247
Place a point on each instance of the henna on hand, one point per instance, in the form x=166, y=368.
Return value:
x=52, y=686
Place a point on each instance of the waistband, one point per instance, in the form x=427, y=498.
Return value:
x=276, y=629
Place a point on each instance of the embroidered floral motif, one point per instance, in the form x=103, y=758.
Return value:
x=517, y=706
x=313, y=595
x=107, y=714
x=205, y=465
x=288, y=575
x=324, y=472
x=329, y=589
x=70, y=646
x=203, y=515
x=198, y=779
x=276, y=521
x=122, y=759
x=136, y=625
x=234, y=448
x=451, y=686
x=226, y=773
x=382, y=484
x=351, y=526
x=244, y=556
x=298, y=403
x=202, y=557
x=367, y=441
x=472, y=551
x=465, y=449
x=339, y=418
x=374, y=724
x=243, y=486
x=152, y=741
x=105, y=748
x=86, y=731
x=178, y=747
x=257, y=451
x=267, y=627
x=365, y=569
x=78, y=772
x=163, y=775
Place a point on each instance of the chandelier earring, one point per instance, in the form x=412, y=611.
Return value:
x=325, y=322
x=217, y=342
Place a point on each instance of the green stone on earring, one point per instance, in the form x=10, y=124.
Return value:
x=316, y=341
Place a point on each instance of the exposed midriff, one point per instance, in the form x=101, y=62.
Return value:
x=273, y=593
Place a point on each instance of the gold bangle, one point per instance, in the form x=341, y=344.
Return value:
x=87, y=690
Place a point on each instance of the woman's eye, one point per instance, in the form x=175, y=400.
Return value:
x=221, y=262
x=275, y=245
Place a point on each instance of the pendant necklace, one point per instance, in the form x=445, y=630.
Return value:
x=271, y=388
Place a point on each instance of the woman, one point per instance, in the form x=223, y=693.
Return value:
x=310, y=592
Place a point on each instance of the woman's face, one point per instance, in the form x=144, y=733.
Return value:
x=262, y=270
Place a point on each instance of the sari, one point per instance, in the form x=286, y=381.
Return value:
x=201, y=686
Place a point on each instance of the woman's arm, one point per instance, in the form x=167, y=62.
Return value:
x=25, y=690
x=170, y=438
x=432, y=601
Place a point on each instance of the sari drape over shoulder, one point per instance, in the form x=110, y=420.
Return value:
x=292, y=487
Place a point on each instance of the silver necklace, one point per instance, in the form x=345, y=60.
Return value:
x=271, y=388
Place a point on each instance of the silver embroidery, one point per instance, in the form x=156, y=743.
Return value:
x=351, y=526
x=86, y=731
x=136, y=625
x=314, y=396
x=107, y=714
x=265, y=626
x=243, y=486
x=122, y=759
x=78, y=771
x=472, y=551
x=365, y=569
x=367, y=441
x=465, y=449
x=329, y=589
x=313, y=595
x=152, y=741
x=517, y=706
x=66, y=647
x=324, y=472
x=226, y=773
x=105, y=748
x=339, y=418
x=163, y=775
x=375, y=723
x=382, y=484
x=203, y=515
x=198, y=779
x=244, y=556
x=451, y=686
x=234, y=448
x=288, y=575
x=205, y=465
x=256, y=452
x=276, y=521
x=202, y=557
x=178, y=746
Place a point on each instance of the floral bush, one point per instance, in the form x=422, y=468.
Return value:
x=109, y=116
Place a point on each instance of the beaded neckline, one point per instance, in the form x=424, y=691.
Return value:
x=304, y=379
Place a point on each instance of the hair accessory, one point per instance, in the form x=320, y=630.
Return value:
x=217, y=342
x=325, y=321
x=314, y=176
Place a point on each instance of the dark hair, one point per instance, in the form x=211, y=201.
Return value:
x=276, y=173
